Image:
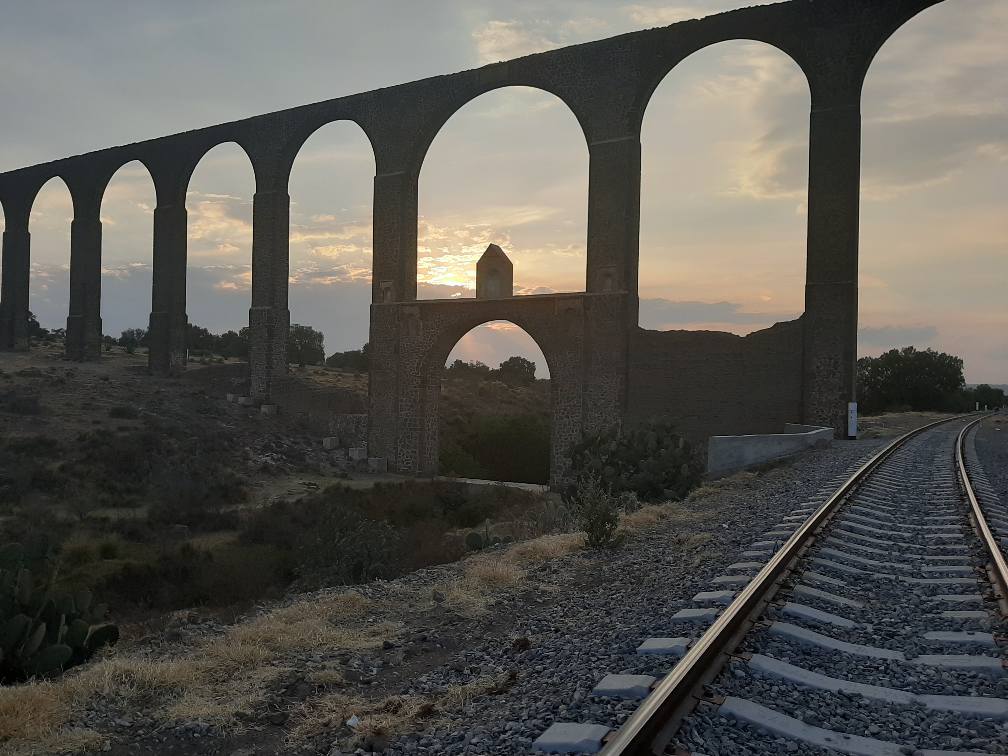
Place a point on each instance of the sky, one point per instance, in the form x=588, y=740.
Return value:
x=725, y=143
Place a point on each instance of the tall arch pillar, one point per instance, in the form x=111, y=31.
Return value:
x=84, y=324
x=393, y=281
x=611, y=304
x=166, y=333
x=16, y=263
x=269, y=315
x=831, y=295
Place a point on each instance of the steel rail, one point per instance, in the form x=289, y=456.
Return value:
x=997, y=569
x=649, y=729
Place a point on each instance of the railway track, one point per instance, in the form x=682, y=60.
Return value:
x=868, y=624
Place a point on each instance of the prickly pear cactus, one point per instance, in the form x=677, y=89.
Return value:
x=41, y=635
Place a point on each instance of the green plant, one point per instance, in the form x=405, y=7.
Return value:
x=597, y=512
x=42, y=634
x=653, y=461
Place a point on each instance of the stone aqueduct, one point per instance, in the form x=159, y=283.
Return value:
x=605, y=369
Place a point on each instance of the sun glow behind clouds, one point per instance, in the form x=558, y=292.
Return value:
x=510, y=168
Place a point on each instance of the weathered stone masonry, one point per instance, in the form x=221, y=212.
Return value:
x=605, y=369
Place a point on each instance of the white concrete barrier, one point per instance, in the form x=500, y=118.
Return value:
x=727, y=454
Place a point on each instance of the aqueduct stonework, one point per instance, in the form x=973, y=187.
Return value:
x=605, y=368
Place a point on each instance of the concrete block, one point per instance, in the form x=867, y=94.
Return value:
x=231, y=397
x=982, y=665
x=737, y=581
x=245, y=401
x=330, y=442
x=695, y=616
x=717, y=598
x=270, y=410
x=664, y=646
x=628, y=687
x=571, y=737
x=726, y=454
x=377, y=464
x=965, y=637
x=801, y=611
x=357, y=453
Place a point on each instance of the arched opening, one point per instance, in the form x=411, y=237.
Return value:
x=509, y=168
x=495, y=407
x=723, y=193
x=933, y=176
x=49, y=226
x=331, y=190
x=127, y=217
x=219, y=251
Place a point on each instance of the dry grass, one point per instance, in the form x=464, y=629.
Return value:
x=679, y=514
x=386, y=717
x=545, y=547
x=212, y=682
x=472, y=592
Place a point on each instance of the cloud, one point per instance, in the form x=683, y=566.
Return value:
x=893, y=336
x=910, y=153
x=665, y=314
x=503, y=40
x=650, y=16
x=219, y=225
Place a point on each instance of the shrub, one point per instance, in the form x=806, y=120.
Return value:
x=353, y=359
x=478, y=454
x=43, y=633
x=18, y=402
x=597, y=512
x=652, y=461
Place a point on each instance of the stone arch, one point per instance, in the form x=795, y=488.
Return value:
x=452, y=107
x=200, y=155
x=296, y=145
x=331, y=230
x=509, y=215
x=650, y=85
x=440, y=329
x=668, y=304
x=40, y=264
x=903, y=18
x=221, y=221
x=930, y=207
x=134, y=271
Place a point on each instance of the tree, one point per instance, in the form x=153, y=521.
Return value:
x=198, y=339
x=986, y=396
x=131, y=338
x=305, y=346
x=918, y=380
x=234, y=344
x=471, y=370
x=352, y=359
x=517, y=371
x=35, y=331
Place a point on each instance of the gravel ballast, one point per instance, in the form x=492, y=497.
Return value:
x=848, y=600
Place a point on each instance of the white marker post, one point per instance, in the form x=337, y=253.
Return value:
x=851, y=420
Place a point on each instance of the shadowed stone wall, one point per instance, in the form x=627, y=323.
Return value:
x=710, y=383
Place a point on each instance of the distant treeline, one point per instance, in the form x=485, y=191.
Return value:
x=910, y=379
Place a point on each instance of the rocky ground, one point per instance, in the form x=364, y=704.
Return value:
x=992, y=450
x=477, y=657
